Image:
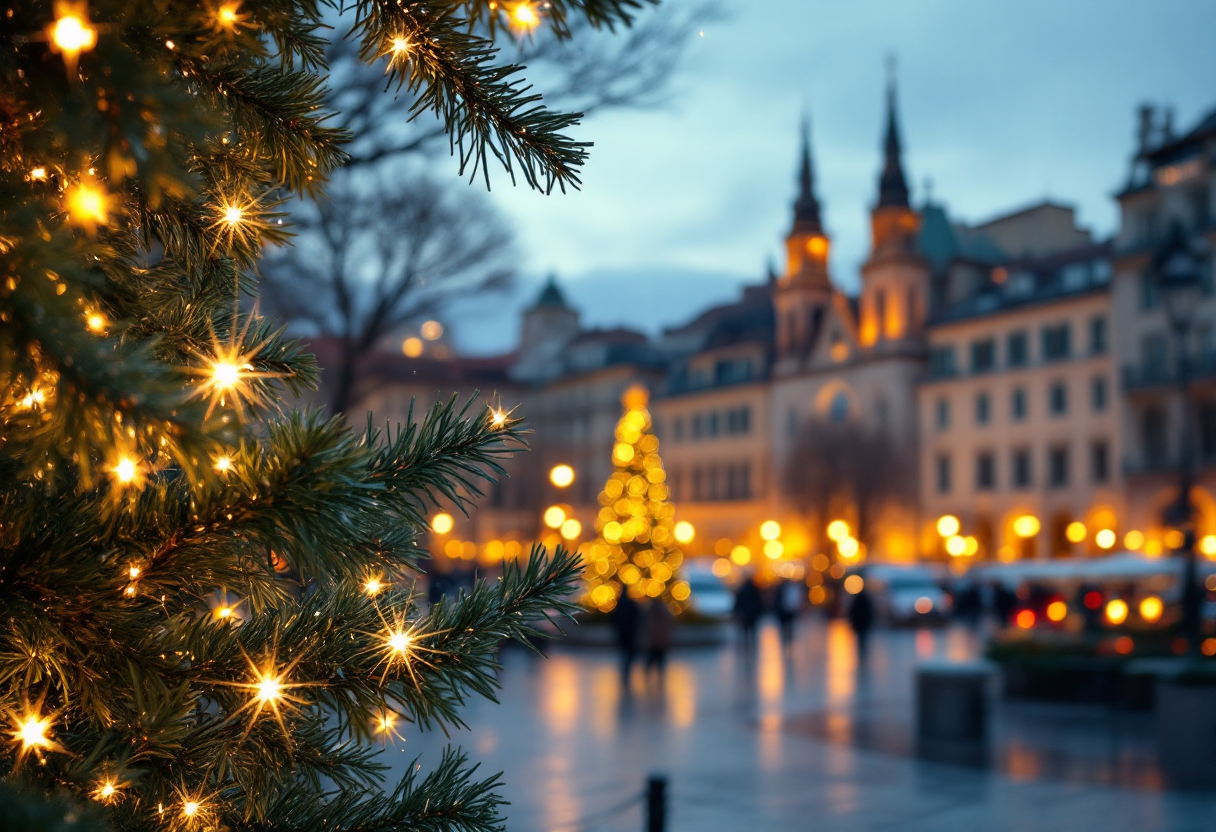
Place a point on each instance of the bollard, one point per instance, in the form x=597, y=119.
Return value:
x=656, y=804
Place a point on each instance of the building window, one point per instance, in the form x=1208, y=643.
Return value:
x=792, y=423
x=1017, y=404
x=1021, y=468
x=983, y=355
x=713, y=424
x=838, y=410
x=985, y=472
x=1207, y=431
x=1056, y=342
x=1057, y=466
x=981, y=408
x=941, y=362
x=1201, y=206
x=880, y=311
x=1149, y=298
x=698, y=426
x=943, y=474
x=1018, y=353
x=698, y=483
x=1153, y=428
x=1057, y=397
x=677, y=429
x=1097, y=335
x=1097, y=393
x=738, y=420
x=943, y=414
x=1099, y=461
x=1155, y=352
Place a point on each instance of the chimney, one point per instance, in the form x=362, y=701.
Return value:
x=1167, y=126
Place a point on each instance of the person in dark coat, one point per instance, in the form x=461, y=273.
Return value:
x=626, y=620
x=788, y=603
x=657, y=626
x=861, y=618
x=748, y=606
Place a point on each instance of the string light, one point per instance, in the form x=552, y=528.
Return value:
x=223, y=464
x=106, y=790
x=32, y=731
x=373, y=586
x=88, y=205
x=227, y=370
x=71, y=33
x=269, y=690
x=38, y=174
x=224, y=612
x=522, y=17
x=191, y=808
x=134, y=572
x=228, y=17
x=127, y=471
x=385, y=722
x=498, y=419
x=33, y=399
x=96, y=322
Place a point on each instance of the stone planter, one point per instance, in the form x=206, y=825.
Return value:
x=1186, y=732
x=952, y=711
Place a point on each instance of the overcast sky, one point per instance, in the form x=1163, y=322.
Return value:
x=1002, y=103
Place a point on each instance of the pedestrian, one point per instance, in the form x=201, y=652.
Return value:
x=788, y=604
x=657, y=628
x=861, y=618
x=748, y=606
x=626, y=618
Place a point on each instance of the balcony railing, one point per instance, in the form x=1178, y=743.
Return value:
x=1148, y=376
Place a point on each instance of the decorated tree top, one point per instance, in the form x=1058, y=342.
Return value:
x=635, y=550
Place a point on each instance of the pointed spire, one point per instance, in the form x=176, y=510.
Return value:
x=806, y=207
x=892, y=187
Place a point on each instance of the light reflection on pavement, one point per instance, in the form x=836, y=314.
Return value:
x=798, y=739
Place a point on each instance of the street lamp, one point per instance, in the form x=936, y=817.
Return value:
x=561, y=476
x=1176, y=270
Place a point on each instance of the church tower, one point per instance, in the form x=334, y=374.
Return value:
x=803, y=292
x=895, y=278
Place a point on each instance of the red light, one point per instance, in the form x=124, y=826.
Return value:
x=1124, y=645
x=1025, y=619
x=1180, y=646
x=1093, y=599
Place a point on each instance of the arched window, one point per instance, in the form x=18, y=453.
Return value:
x=838, y=410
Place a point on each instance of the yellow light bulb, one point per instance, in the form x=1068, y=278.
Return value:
x=948, y=525
x=72, y=34
x=38, y=174
x=684, y=532
x=228, y=16
x=555, y=516
x=32, y=733
x=385, y=723
x=233, y=214
x=225, y=375
x=269, y=690
x=191, y=808
x=838, y=530
x=223, y=464
x=372, y=586
x=498, y=419
x=399, y=642
x=400, y=46
x=134, y=572
x=223, y=612
x=126, y=471
x=88, y=205
x=561, y=475
x=523, y=17
x=106, y=790
x=770, y=530
x=442, y=523
x=96, y=322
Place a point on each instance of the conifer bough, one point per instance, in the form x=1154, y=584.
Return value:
x=188, y=637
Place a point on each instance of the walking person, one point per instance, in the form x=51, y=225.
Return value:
x=788, y=604
x=626, y=620
x=748, y=606
x=861, y=618
x=657, y=629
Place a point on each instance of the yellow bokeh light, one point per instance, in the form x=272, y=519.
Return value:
x=126, y=470
x=684, y=532
x=1207, y=545
x=773, y=549
x=523, y=17
x=32, y=731
x=1075, y=532
x=372, y=586
x=721, y=567
x=571, y=529
x=956, y=546
x=88, y=205
x=1116, y=611
x=817, y=246
x=948, y=525
x=223, y=464
x=1026, y=526
x=561, y=475
x=1106, y=539
x=838, y=530
x=96, y=322
x=1151, y=609
x=1174, y=539
x=1057, y=611
x=442, y=523
x=1134, y=539
x=623, y=453
x=680, y=591
x=228, y=16
x=555, y=516
x=741, y=555
x=848, y=548
x=770, y=530
x=854, y=584
x=432, y=330
x=972, y=545
x=411, y=347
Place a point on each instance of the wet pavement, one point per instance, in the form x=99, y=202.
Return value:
x=801, y=739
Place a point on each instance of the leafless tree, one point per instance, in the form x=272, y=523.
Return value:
x=371, y=258
x=842, y=469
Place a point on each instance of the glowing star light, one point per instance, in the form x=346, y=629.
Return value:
x=107, y=791
x=235, y=221
x=269, y=691
x=373, y=586
x=71, y=33
x=31, y=730
x=127, y=471
x=227, y=372
x=228, y=18
x=96, y=322
x=523, y=17
x=88, y=205
x=223, y=464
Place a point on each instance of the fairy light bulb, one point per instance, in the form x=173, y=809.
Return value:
x=269, y=690
x=223, y=464
x=223, y=612
x=191, y=808
x=523, y=17
x=228, y=16
x=385, y=723
x=498, y=419
x=134, y=572
x=225, y=375
x=38, y=174
x=32, y=733
x=399, y=642
x=71, y=33
x=96, y=322
x=126, y=471
x=373, y=586
x=106, y=791
x=88, y=205
x=233, y=214
x=399, y=46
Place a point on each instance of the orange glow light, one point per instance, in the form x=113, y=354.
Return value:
x=1057, y=611
x=1025, y=619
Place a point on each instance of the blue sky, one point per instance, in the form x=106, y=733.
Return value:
x=1002, y=104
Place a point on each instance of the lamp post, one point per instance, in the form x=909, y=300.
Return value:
x=1177, y=275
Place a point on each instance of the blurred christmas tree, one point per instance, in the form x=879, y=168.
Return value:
x=205, y=601
x=634, y=552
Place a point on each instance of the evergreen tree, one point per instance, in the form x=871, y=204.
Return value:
x=634, y=552
x=189, y=637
